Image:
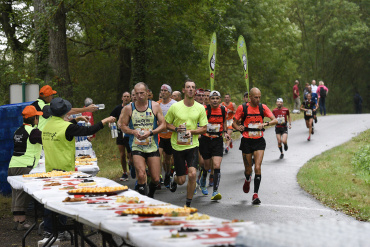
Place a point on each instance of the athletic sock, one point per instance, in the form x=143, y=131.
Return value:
x=217, y=178
x=188, y=202
x=152, y=189
x=247, y=177
x=142, y=189
x=281, y=149
x=204, y=172
x=257, y=182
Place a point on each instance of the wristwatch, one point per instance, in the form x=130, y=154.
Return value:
x=175, y=129
x=151, y=132
x=268, y=123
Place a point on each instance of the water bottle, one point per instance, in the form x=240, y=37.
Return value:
x=113, y=129
x=100, y=106
x=73, y=116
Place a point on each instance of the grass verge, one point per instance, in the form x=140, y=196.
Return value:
x=335, y=181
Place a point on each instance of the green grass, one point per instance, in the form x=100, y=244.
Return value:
x=335, y=181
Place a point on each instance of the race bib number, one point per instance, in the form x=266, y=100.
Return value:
x=184, y=140
x=254, y=133
x=281, y=120
x=229, y=122
x=213, y=128
x=309, y=113
x=145, y=142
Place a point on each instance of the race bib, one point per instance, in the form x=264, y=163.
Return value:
x=229, y=122
x=309, y=113
x=281, y=120
x=254, y=133
x=145, y=142
x=213, y=128
x=184, y=140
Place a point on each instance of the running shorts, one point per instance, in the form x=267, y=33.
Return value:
x=166, y=145
x=188, y=155
x=209, y=147
x=281, y=130
x=248, y=145
x=124, y=141
x=146, y=155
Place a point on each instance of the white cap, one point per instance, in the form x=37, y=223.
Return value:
x=215, y=93
x=279, y=99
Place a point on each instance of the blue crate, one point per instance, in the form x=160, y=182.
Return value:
x=5, y=188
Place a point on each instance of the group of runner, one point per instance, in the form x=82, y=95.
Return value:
x=190, y=135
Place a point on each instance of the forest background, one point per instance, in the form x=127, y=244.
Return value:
x=101, y=48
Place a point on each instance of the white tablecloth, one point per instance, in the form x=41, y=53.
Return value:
x=89, y=169
x=108, y=219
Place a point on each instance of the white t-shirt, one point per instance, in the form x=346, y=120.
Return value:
x=167, y=106
x=313, y=88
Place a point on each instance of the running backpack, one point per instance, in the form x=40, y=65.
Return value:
x=245, y=114
x=322, y=92
x=223, y=111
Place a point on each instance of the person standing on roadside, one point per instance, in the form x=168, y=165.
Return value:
x=252, y=143
x=357, y=100
x=322, y=91
x=143, y=120
x=281, y=129
x=182, y=118
x=309, y=107
x=297, y=100
x=122, y=140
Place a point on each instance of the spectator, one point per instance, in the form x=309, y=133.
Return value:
x=357, y=99
x=322, y=92
x=297, y=100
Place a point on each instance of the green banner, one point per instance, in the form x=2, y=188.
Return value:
x=212, y=60
x=242, y=50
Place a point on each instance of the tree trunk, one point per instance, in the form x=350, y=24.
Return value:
x=124, y=58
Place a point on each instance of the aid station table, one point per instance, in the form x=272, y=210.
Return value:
x=106, y=216
x=92, y=169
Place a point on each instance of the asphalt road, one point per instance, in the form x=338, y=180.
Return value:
x=282, y=198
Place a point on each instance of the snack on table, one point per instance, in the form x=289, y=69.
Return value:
x=83, y=157
x=86, y=184
x=86, y=159
x=177, y=235
x=196, y=216
x=176, y=214
x=107, y=189
x=157, y=211
x=84, y=164
x=128, y=200
x=165, y=223
x=53, y=184
x=48, y=174
x=69, y=199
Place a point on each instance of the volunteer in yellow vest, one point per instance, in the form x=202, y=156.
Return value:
x=231, y=109
x=58, y=136
x=143, y=120
x=46, y=94
x=182, y=118
x=26, y=155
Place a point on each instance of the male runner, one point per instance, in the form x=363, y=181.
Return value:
x=246, y=97
x=122, y=140
x=211, y=143
x=150, y=94
x=309, y=107
x=199, y=96
x=206, y=97
x=231, y=109
x=252, y=142
x=176, y=95
x=281, y=113
x=143, y=120
x=183, y=118
x=165, y=148
x=206, y=102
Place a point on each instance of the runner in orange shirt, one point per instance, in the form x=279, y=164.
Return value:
x=252, y=142
x=231, y=109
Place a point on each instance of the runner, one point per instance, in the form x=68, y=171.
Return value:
x=183, y=118
x=308, y=107
x=176, y=95
x=206, y=97
x=252, y=142
x=231, y=109
x=122, y=140
x=139, y=119
x=206, y=102
x=199, y=96
x=246, y=98
x=281, y=129
x=165, y=148
x=211, y=143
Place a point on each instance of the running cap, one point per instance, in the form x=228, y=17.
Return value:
x=30, y=111
x=59, y=107
x=88, y=101
x=280, y=100
x=215, y=93
x=167, y=87
x=246, y=94
x=46, y=91
x=199, y=91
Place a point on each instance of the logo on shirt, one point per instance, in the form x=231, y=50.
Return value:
x=148, y=114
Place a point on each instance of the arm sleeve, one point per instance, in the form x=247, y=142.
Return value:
x=35, y=136
x=239, y=112
x=76, y=130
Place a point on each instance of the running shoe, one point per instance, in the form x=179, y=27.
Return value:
x=195, y=191
x=281, y=156
x=203, y=182
x=64, y=236
x=309, y=138
x=231, y=143
x=136, y=186
x=216, y=196
x=23, y=226
x=124, y=177
x=226, y=150
x=132, y=171
x=247, y=185
x=286, y=147
x=167, y=180
x=204, y=190
x=255, y=199
x=210, y=183
x=173, y=184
